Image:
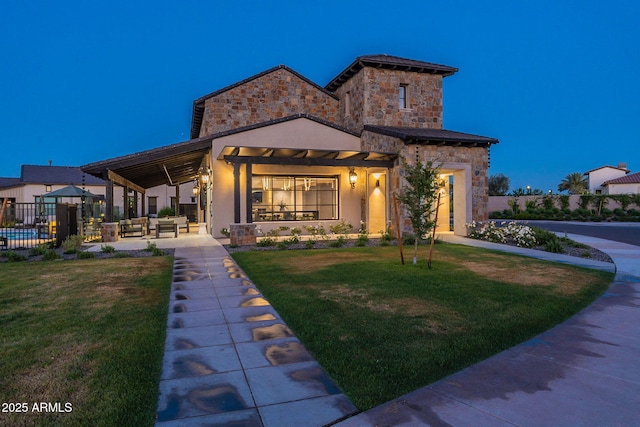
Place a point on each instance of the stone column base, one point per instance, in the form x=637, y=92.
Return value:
x=242, y=234
x=109, y=231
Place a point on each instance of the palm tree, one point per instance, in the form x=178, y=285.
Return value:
x=575, y=183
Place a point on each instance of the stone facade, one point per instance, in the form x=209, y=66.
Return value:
x=275, y=94
x=374, y=99
x=242, y=234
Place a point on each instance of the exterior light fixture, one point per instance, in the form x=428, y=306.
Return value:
x=204, y=174
x=377, y=182
x=47, y=188
x=195, y=188
x=353, y=178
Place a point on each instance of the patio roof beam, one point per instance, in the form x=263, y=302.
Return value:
x=309, y=161
x=123, y=182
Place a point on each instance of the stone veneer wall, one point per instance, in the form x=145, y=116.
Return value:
x=478, y=158
x=242, y=234
x=374, y=99
x=271, y=96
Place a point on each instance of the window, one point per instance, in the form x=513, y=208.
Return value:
x=347, y=104
x=152, y=203
x=294, y=198
x=402, y=95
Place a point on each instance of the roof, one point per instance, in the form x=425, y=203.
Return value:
x=171, y=164
x=35, y=174
x=50, y=175
x=179, y=162
x=391, y=63
x=625, y=170
x=632, y=178
x=432, y=136
x=10, y=182
x=198, y=104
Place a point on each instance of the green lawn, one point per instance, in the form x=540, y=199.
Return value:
x=382, y=329
x=87, y=335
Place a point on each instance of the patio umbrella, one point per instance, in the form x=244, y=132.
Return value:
x=70, y=191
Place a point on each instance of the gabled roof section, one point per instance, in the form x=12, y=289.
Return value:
x=391, y=63
x=60, y=175
x=432, y=136
x=625, y=170
x=198, y=104
x=171, y=164
x=282, y=120
x=633, y=178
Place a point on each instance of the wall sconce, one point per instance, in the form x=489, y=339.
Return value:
x=353, y=178
x=204, y=174
x=195, y=188
x=47, y=188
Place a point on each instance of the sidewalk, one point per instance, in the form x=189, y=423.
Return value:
x=230, y=359
x=583, y=372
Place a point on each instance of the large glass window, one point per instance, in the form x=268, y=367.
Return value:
x=294, y=198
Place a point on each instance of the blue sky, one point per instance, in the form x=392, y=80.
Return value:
x=557, y=82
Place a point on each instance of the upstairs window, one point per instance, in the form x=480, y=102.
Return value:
x=403, y=96
x=347, y=104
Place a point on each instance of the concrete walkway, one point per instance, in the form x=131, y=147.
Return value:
x=229, y=358
x=584, y=372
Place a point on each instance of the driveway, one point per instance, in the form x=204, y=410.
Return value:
x=625, y=232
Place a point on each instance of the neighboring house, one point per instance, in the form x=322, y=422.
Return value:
x=37, y=181
x=628, y=184
x=598, y=176
x=279, y=150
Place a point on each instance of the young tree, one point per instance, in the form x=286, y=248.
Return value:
x=419, y=197
x=575, y=183
x=498, y=185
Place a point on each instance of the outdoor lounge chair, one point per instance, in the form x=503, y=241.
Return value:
x=127, y=228
x=166, y=226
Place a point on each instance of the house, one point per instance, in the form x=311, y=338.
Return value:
x=277, y=149
x=628, y=184
x=598, y=176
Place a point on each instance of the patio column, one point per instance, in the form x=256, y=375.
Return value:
x=236, y=193
x=108, y=201
x=249, y=195
x=125, y=202
x=177, y=199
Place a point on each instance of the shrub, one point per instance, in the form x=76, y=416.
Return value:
x=50, y=255
x=86, y=255
x=107, y=249
x=153, y=248
x=166, y=211
x=72, y=243
x=341, y=227
x=40, y=249
x=265, y=242
x=12, y=256
x=309, y=244
x=225, y=232
x=408, y=239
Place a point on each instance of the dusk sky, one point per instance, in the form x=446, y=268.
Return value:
x=557, y=82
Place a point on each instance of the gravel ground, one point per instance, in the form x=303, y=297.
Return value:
x=63, y=256
x=589, y=253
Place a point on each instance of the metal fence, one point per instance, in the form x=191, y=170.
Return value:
x=25, y=225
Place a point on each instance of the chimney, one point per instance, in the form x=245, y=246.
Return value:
x=623, y=166
x=50, y=161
